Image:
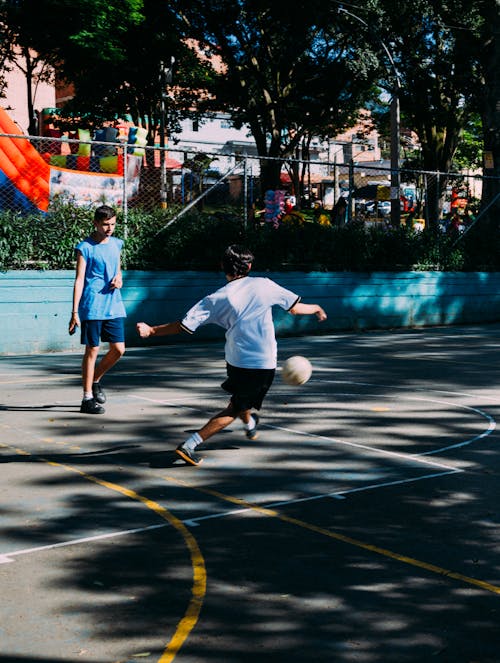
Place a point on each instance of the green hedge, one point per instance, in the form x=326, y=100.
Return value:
x=196, y=240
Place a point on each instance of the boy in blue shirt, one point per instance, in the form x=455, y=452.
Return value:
x=97, y=305
x=243, y=307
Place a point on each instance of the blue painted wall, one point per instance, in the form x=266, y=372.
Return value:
x=35, y=306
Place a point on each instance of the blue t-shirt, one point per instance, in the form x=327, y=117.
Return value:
x=102, y=262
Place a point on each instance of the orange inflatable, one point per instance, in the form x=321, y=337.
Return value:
x=23, y=165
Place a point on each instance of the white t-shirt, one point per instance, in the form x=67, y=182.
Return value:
x=243, y=307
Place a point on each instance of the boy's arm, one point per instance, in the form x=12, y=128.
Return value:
x=77, y=291
x=168, y=329
x=308, y=309
x=117, y=281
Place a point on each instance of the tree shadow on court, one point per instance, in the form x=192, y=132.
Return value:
x=12, y=658
x=282, y=587
x=319, y=576
x=304, y=560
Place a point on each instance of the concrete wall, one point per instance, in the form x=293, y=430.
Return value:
x=35, y=306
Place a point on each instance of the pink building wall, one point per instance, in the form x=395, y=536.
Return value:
x=15, y=101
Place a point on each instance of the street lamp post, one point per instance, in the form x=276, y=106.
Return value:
x=395, y=129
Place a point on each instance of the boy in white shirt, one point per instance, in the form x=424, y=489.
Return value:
x=243, y=307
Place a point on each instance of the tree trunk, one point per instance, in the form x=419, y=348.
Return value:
x=33, y=125
x=490, y=203
x=270, y=171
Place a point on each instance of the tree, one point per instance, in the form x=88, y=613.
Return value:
x=286, y=69
x=489, y=57
x=434, y=58
x=6, y=41
x=134, y=83
x=113, y=52
x=66, y=36
x=469, y=153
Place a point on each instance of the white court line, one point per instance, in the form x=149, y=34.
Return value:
x=7, y=557
x=384, y=452
x=340, y=494
x=491, y=420
x=193, y=522
x=414, y=389
x=414, y=458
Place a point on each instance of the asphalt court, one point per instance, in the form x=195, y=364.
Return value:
x=362, y=525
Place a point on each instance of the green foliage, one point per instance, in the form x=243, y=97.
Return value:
x=37, y=241
x=112, y=51
x=288, y=70
x=469, y=154
x=195, y=241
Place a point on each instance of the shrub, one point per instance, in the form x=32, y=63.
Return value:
x=195, y=241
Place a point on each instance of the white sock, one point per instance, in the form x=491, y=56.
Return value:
x=251, y=424
x=87, y=396
x=192, y=442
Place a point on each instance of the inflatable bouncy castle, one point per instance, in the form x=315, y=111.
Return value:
x=30, y=179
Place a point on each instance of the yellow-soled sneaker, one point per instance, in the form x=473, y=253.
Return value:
x=189, y=456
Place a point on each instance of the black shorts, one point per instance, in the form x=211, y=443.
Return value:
x=247, y=386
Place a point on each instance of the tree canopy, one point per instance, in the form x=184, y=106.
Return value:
x=113, y=52
x=287, y=70
x=433, y=68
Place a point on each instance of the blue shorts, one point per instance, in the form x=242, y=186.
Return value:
x=110, y=331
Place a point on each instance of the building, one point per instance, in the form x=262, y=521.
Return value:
x=15, y=101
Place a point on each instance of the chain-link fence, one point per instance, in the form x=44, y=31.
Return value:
x=125, y=173
x=424, y=196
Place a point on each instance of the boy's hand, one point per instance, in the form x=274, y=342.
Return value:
x=73, y=323
x=143, y=329
x=116, y=282
x=320, y=314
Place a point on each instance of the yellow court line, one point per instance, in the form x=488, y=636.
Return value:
x=341, y=537
x=198, y=590
x=37, y=380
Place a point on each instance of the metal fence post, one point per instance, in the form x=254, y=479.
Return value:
x=125, y=191
x=350, y=199
x=245, y=193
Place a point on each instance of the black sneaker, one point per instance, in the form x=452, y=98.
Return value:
x=98, y=392
x=253, y=434
x=90, y=406
x=188, y=455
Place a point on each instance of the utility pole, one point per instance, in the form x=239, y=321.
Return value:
x=395, y=150
x=395, y=129
x=166, y=77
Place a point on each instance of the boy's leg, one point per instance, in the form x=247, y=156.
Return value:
x=245, y=416
x=250, y=423
x=218, y=422
x=248, y=389
x=112, y=332
x=115, y=352
x=88, y=368
x=214, y=425
x=89, y=405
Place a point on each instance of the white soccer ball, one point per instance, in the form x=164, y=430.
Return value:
x=296, y=370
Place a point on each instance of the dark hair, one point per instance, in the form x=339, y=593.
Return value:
x=237, y=260
x=104, y=213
